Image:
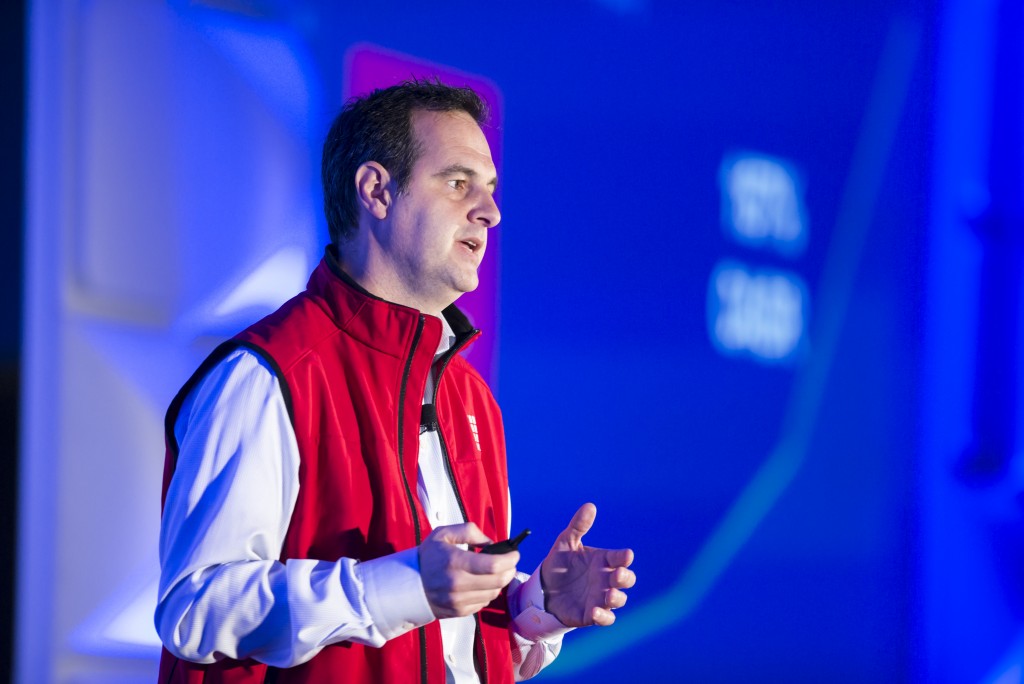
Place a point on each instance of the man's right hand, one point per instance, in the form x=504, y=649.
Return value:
x=460, y=582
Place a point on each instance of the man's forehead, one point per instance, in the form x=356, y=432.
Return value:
x=451, y=138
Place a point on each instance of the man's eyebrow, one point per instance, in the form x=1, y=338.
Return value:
x=454, y=169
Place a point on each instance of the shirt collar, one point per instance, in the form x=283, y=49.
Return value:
x=447, y=337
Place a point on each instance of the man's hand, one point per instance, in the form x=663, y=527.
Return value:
x=582, y=584
x=459, y=582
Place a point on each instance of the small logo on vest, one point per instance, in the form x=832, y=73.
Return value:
x=476, y=435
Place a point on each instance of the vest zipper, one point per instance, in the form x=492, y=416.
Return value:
x=483, y=651
x=446, y=359
x=405, y=479
x=440, y=435
x=451, y=479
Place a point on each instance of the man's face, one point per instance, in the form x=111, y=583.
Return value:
x=436, y=233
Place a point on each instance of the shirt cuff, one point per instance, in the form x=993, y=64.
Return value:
x=394, y=593
x=529, y=618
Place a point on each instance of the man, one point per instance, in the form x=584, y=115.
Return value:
x=333, y=470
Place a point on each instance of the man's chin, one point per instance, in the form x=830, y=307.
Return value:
x=469, y=284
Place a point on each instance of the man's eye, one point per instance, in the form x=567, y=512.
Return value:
x=457, y=184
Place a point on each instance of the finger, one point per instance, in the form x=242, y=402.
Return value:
x=467, y=603
x=464, y=533
x=602, y=616
x=580, y=524
x=478, y=598
x=614, y=598
x=618, y=558
x=622, y=578
x=467, y=581
x=487, y=564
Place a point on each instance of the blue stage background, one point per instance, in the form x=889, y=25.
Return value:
x=803, y=421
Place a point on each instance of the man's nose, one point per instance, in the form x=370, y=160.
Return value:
x=486, y=211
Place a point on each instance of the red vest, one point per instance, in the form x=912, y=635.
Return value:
x=353, y=369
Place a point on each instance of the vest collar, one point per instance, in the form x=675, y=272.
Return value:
x=366, y=316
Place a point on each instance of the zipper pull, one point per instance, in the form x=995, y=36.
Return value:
x=428, y=418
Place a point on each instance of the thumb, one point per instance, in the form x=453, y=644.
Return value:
x=464, y=533
x=580, y=524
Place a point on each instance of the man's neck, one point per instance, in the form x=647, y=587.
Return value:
x=353, y=263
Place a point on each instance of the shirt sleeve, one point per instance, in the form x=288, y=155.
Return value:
x=223, y=591
x=536, y=633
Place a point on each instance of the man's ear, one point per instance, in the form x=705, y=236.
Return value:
x=372, y=182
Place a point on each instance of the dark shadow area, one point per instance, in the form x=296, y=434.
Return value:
x=12, y=192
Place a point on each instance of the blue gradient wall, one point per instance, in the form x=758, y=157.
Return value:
x=737, y=295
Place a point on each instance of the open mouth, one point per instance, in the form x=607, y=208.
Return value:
x=472, y=244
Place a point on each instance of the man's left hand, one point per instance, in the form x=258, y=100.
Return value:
x=583, y=584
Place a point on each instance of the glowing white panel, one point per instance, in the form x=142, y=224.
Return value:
x=760, y=314
x=172, y=201
x=124, y=624
x=763, y=203
x=284, y=272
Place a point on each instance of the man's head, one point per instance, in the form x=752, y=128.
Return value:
x=378, y=127
x=412, y=198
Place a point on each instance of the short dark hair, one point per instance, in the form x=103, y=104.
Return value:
x=378, y=127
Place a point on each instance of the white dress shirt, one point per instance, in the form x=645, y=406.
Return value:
x=223, y=591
